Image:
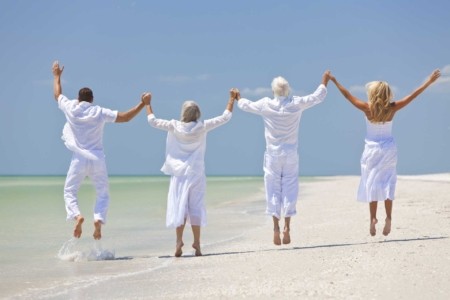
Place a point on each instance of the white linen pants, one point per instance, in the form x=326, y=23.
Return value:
x=80, y=167
x=281, y=181
x=186, y=200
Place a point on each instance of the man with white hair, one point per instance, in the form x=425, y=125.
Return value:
x=281, y=117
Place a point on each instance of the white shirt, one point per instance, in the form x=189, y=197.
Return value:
x=282, y=117
x=83, y=132
x=186, y=143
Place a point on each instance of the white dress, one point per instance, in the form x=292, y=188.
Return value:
x=378, y=164
x=185, y=162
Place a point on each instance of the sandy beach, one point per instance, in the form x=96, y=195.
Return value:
x=331, y=255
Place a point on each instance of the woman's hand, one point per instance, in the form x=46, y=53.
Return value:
x=434, y=76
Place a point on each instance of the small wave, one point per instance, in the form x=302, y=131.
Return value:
x=67, y=252
x=97, y=253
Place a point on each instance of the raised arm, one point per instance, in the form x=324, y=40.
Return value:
x=213, y=123
x=405, y=101
x=57, y=72
x=249, y=106
x=152, y=120
x=359, y=104
x=127, y=116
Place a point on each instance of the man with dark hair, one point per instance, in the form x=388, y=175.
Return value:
x=83, y=134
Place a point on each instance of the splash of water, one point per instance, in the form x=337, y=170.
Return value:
x=97, y=253
x=67, y=252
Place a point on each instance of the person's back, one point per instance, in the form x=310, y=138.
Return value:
x=281, y=117
x=83, y=132
x=185, y=150
x=379, y=132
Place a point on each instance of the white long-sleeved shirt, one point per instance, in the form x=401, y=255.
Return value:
x=186, y=143
x=281, y=117
x=83, y=132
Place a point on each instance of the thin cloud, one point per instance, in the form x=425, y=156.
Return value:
x=262, y=91
x=47, y=82
x=446, y=70
x=183, y=78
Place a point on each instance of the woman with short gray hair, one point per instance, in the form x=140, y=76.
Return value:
x=185, y=162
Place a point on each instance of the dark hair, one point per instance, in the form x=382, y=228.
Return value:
x=85, y=94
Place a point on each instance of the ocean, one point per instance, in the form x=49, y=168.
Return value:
x=39, y=258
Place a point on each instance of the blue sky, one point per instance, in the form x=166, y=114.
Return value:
x=198, y=50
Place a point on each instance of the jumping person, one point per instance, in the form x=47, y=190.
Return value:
x=185, y=162
x=281, y=117
x=83, y=134
x=379, y=159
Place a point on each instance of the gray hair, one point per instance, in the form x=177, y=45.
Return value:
x=280, y=87
x=190, y=112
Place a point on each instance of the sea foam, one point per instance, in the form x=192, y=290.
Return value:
x=68, y=253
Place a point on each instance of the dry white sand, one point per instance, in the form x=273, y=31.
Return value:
x=331, y=255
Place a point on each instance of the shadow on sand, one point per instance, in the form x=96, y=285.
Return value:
x=314, y=247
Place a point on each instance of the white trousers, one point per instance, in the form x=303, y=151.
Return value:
x=281, y=181
x=80, y=167
x=186, y=200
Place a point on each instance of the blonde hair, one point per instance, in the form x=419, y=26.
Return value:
x=190, y=112
x=380, y=97
x=280, y=87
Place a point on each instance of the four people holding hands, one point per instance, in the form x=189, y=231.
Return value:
x=186, y=146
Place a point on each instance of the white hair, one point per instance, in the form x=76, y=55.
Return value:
x=280, y=87
x=190, y=112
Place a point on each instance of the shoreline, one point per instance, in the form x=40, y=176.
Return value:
x=331, y=254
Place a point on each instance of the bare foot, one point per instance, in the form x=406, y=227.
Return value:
x=373, y=231
x=77, y=231
x=197, y=249
x=178, y=251
x=276, y=238
x=286, y=237
x=387, y=227
x=98, y=230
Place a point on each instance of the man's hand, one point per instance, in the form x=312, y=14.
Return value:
x=146, y=98
x=434, y=76
x=56, y=70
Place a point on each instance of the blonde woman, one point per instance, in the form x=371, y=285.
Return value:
x=185, y=152
x=379, y=159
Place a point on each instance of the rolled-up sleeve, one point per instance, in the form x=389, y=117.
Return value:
x=213, y=123
x=313, y=99
x=109, y=115
x=159, y=123
x=250, y=106
x=63, y=101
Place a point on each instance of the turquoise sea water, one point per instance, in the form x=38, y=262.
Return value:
x=33, y=229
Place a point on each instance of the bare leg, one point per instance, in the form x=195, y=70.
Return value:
x=287, y=229
x=387, y=226
x=196, y=244
x=276, y=231
x=98, y=229
x=373, y=217
x=180, y=243
x=77, y=231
